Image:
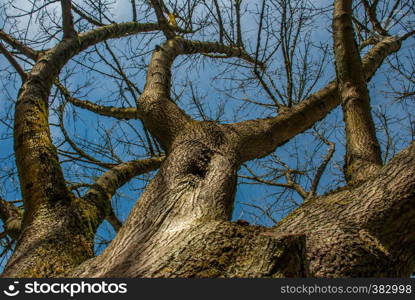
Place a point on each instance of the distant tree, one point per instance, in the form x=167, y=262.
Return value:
x=271, y=57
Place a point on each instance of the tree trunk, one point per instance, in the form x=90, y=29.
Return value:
x=364, y=231
x=58, y=229
x=180, y=226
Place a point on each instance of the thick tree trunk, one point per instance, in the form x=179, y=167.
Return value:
x=58, y=232
x=180, y=226
x=57, y=229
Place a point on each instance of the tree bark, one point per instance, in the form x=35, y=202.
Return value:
x=180, y=227
x=57, y=229
x=363, y=155
x=353, y=232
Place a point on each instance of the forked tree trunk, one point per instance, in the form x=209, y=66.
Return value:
x=180, y=226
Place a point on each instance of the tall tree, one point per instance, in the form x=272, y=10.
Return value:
x=181, y=225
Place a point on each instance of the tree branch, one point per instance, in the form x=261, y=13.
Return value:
x=67, y=20
x=363, y=155
x=107, y=184
x=258, y=138
x=79, y=151
x=41, y=169
x=11, y=217
x=59, y=55
x=108, y=111
x=161, y=116
x=8, y=210
x=239, y=41
x=18, y=45
x=114, y=221
x=134, y=9
x=371, y=12
x=193, y=47
x=86, y=17
x=13, y=62
x=219, y=21
x=291, y=184
x=322, y=167
x=158, y=6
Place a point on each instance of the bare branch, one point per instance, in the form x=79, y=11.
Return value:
x=67, y=20
x=266, y=212
x=239, y=41
x=407, y=35
x=363, y=156
x=114, y=221
x=108, y=111
x=13, y=62
x=134, y=9
x=268, y=91
x=258, y=138
x=8, y=210
x=78, y=150
x=131, y=87
x=59, y=55
x=157, y=89
x=371, y=12
x=322, y=167
x=192, y=47
x=35, y=175
x=18, y=45
x=86, y=17
x=291, y=184
x=11, y=217
x=391, y=14
x=298, y=188
x=158, y=7
x=219, y=21
x=178, y=46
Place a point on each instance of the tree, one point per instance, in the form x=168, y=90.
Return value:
x=181, y=225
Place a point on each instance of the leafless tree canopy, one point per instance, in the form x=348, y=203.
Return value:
x=219, y=138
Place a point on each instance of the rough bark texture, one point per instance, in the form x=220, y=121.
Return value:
x=353, y=232
x=363, y=156
x=46, y=198
x=180, y=228
x=350, y=232
x=57, y=229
